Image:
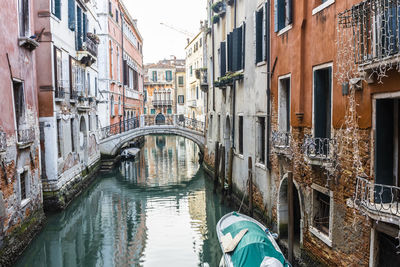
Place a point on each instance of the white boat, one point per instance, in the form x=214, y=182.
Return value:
x=247, y=243
x=130, y=153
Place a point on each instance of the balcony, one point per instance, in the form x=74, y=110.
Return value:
x=202, y=75
x=192, y=103
x=375, y=26
x=88, y=49
x=281, y=142
x=3, y=141
x=319, y=151
x=26, y=137
x=380, y=202
x=162, y=103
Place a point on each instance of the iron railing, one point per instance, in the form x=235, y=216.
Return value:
x=192, y=124
x=120, y=127
x=3, y=141
x=26, y=135
x=377, y=198
x=375, y=26
x=318, y=148
x=159, y=103
x=280, y=139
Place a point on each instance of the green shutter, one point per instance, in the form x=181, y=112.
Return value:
x=57, y=8
x=71, y=15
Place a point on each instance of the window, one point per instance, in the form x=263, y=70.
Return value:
x=88, y=90
x=191, y=71
x=321, y=212
x=23, y=185
x=261, y=139
x=181, y=99
x=19, y=103
x=97, y=122
x=284, y=104
x=71, y=15
x=282, y=14
x=55, y=8
x=72, y=76
x=236, y=49
x=321, y=4
x=59, y=138
x=168, y=75
x=90, y=122
x=197, y=92
x=219, y=128
x=119, y=107
x=169, y=111
x=153, y=111
x=110, y=8
x=24, y=17
x=260, y=30
x=222, y=59
x=201, y=42
x=95, y=86
x=387, y=147
x=210, y=126
x=112, y=106
x=322, y=102
x=116, y=15
x=72, y=135
x=180, y=81
x=145, y=110
x=240, y=135
x=118, y=67
x=154, y=76
x=111, y=61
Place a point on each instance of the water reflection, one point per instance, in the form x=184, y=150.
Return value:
x=157, y=210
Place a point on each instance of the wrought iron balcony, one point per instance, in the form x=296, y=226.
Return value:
x=375, y=25
x=26, y=136
x=162, y=103
x=192, y=103
x=316, y=148
x=281, y=142
x=377, y=200
x=3, y=141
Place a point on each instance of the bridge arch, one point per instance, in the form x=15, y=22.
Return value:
x=112, y=145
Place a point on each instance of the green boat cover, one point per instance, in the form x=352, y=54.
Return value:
x=253, y=247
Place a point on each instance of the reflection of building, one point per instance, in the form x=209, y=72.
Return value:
x=196, y=61
x=68, y=81
x=161, y=85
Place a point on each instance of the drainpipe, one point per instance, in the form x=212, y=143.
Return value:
x=234, y=92
x=268, y=44
x=123, y=69
x=213, y=61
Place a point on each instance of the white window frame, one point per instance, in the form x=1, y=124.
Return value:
x=25, y=201
x=280, y=78
x=327, y=239
x=322, y=6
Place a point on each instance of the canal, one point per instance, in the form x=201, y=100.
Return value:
x=157, y=210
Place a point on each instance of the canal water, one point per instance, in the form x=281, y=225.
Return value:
x=157, y=210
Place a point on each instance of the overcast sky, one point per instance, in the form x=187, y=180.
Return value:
x=159, y=41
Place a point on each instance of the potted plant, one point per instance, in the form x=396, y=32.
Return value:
x=215, y=19
x=217, y=6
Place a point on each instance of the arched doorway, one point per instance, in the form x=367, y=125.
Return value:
x=283, y=213
x=83, y=140
x=160, y=119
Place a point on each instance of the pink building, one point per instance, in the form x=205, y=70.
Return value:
x=20, y=185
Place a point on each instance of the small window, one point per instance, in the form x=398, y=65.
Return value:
x=321, y=212
x=154, y=76
x=23, y=185
x=181, y=99
x=59, y=138
x=169, y=111
x=19, y=103
x=72, y=135
x=90, y=122
x=153, y=111
x=261, y=139
x=241, y=135
x=322, y=102
x=284, y=105
x=55, y=8
x=180, y=80
x=112, y=106
x=210, y=127
x=259, y=35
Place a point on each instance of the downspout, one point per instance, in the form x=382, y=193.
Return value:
x=300, y=112
x=234, y=91
x=268, y=44
x=213, y=61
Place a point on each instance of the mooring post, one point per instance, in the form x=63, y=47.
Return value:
x=216, y=165
x=223, y=164
x=291, y=219
x=230, y=169
x=250, y=187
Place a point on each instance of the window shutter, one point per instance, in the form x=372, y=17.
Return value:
x=267, y=32
x=281, y=14
x=264, y=33
x=230, y=52
x=276, y=26
x=223, y=58
x=255, y=36
x=289, y=12
x=237, y=49
x=243, y=45
x=84, y=27
x=57, y=8
x=125, y=74
x=79, y=28
x=259, y=36
x=71, y=15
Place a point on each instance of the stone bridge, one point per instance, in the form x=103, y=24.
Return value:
x=113, y=137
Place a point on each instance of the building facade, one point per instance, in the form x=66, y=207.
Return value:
x=316, y=100
x=68, y=90
x=161, y=86
x=121, y=74
x=195, y=63
x=180, y=100
x=21, y=205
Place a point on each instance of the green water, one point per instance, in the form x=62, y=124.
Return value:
x=158, y=210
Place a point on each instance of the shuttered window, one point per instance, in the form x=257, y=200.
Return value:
x=322, y=102
x=56, y=8
x=71, y=15
x=241, y=135
x=230, y=51
x=237, y=49
x=79, y=37
x=283, y=14
x=259, y=35
x=222, y=57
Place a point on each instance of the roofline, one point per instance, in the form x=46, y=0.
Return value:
x=194, y=38
x=130, y=19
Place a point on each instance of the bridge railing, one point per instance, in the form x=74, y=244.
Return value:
x=147, y=121
x=119, y=127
